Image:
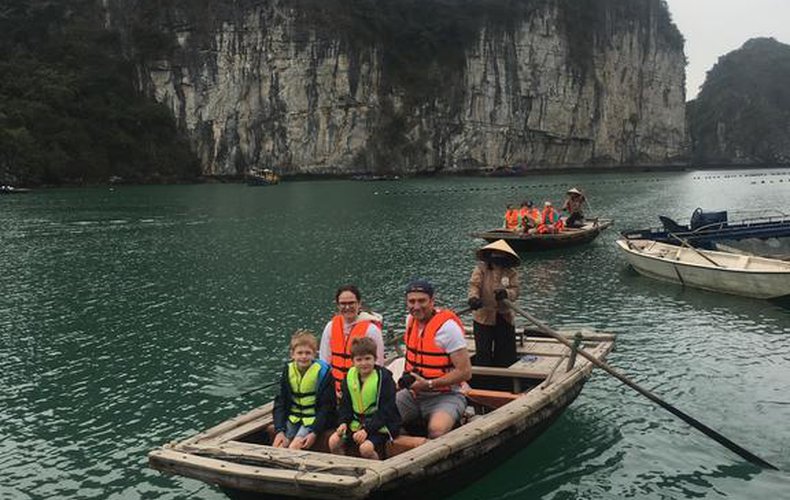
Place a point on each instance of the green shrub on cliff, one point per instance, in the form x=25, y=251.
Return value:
x=69, y=112
x=742, y=113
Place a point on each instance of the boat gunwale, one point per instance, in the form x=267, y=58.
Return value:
x=567, y=233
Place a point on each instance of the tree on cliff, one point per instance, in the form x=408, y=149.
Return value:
x=68, y=109
x=742, y=113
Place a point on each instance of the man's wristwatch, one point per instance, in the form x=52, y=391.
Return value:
x=430, y=384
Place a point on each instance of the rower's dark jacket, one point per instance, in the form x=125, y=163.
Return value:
x=325, y=414
x=387, y=413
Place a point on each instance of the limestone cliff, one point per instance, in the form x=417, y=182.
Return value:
x=350, y=86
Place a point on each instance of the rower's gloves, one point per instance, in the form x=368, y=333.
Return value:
x=475, y=303
x=500, y=294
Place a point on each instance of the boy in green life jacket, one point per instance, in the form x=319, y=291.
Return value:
x=305, y=406
x=368, y=415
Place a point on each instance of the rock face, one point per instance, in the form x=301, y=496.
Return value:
x=742, y=113
x=410, y=86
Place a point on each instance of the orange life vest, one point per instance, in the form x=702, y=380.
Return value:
x=511, y=219
x=341, y=346
x=550, y=219
x=423, y=354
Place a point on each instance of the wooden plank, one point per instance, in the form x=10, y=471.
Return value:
x=263, y=455
x=537, y=369
x=188, y=464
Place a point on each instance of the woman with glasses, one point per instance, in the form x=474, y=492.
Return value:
x=344, y=327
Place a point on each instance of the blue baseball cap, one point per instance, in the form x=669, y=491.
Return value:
x=423, y=286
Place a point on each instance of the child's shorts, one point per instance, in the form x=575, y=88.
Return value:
x=296, y=430
x=378, y=439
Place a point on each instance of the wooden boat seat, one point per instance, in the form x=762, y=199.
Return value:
x=404, y=443
x=490, y=399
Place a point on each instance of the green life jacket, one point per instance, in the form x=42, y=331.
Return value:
x=303, y=390
x=364, y=399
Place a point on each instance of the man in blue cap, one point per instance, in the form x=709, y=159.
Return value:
x=437, y=362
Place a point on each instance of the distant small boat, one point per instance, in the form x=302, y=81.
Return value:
x=13, y=190
x=262, y=177
x=737, y=274
x=568, y=237
x=236, y=454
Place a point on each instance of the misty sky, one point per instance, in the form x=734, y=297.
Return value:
x=713, y=28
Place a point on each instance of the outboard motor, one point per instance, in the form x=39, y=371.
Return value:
x=712, y=220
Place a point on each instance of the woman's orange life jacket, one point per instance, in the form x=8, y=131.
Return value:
x=341, y=347
x=511, y=219
x=423, y=354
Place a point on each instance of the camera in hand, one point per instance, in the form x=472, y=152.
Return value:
x=406, y=381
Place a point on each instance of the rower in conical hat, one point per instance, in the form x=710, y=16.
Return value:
x=494, y=278
x=501, y=250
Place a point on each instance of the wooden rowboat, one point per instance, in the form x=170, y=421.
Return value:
x=737, y=274
x=235, y=455
x=528, y=242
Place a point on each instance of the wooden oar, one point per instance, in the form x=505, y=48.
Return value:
x=267, y=386
x=686, y=244
x=751, y=457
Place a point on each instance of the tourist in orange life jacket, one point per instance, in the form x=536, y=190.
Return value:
x=573, y=205
x=437, y=362
x=523, y=216
x=511, y=218
x=343, y=329
x=550, y=220
x=530, y=216
x=494, y=278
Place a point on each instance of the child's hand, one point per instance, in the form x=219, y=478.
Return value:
x=309, y=440
x=341, y=429
x=360, y=436
x=280, y=441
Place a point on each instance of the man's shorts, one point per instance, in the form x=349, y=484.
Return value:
x=296, y=430
x=425, y=404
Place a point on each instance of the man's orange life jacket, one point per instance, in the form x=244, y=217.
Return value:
x=423, y=354
x=341, y=346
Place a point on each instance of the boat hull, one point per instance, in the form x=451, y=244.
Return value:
x=234, y=455
x=755, y=284
x=539, y=242
x=460, y=471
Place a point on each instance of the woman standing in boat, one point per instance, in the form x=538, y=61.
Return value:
x=343, y=329
x=573, y=205
x=494, y=278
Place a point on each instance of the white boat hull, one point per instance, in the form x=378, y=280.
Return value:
x=748, y=276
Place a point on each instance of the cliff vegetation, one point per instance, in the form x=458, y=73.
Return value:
x=69, y=110
x=742, y=113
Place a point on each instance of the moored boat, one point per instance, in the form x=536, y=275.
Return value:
x=262, y=177
x=706, y=228
x=236, y=455
x=13, y=190
x=568, y=237
x=737, y=274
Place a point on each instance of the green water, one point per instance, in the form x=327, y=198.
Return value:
x=135, y=316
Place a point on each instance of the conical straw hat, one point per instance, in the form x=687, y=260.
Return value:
x=500, y=246
x=573, y=191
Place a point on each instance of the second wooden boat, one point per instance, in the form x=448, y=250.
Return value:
x=236, y=455
x=737, y=274
x=528, y=242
